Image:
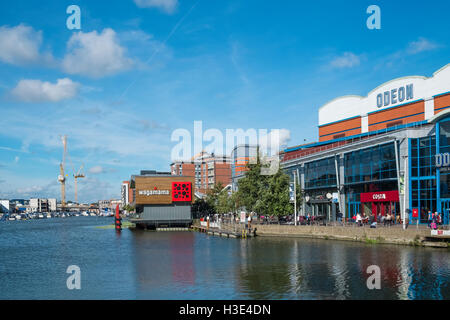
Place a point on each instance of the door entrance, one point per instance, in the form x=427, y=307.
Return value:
x=384, y=208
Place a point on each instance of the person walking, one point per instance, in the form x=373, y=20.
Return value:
x=430, y=218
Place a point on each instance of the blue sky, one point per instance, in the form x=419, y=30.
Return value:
x=139, y=69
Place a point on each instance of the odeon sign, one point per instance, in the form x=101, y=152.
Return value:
x=442, y=160
x=395, y=96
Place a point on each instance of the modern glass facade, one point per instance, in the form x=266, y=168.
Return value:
x=320, y=174
x=423, y=176
x=371, y=164
x=369, y=170
x=429, y=185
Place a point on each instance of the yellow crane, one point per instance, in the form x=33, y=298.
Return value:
x=76, y=176
x=62, y=177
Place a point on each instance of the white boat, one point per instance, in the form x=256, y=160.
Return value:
x=84, y=214
x=11, y=218
x=49, y=215
x=40, y=216
x=93, y=214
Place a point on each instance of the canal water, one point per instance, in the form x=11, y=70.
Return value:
x=35, y=255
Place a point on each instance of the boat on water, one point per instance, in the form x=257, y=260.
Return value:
x=40, y=216
x=49, y=215
x=12, y=218
x=93, y=214
x=84, y=214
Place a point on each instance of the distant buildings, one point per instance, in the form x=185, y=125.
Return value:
x=241, y=155
x=4, y=206
x=206, y=169
x=109, y=205
x=42, y=205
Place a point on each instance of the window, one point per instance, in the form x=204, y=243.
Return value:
x=371, y=164
x=423, y=176
x=320, y=174
x=422, y=155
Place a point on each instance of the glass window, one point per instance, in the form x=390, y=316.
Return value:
x=320, y=173
x=444, y=185
x=371, y=164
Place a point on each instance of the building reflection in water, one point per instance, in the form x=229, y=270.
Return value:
x=163, y=261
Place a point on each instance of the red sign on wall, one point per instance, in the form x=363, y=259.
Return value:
x=380, y=196
x=181, y=191
x=415, y=213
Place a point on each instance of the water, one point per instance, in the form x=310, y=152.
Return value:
x=35, y=254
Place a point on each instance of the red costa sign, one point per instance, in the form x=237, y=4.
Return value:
x=381, y=196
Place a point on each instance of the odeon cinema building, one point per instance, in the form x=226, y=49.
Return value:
x=384, y=153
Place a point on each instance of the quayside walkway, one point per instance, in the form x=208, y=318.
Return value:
x=416, y=236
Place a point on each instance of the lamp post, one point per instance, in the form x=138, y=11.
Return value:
x=405, y=183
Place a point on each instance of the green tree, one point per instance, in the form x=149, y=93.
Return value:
x=252, y=186
x=275, y=198
x=200, y=208
x=212, y=196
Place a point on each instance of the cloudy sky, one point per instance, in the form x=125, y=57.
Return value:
x=140, y=69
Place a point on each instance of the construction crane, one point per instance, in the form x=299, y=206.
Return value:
x=62, y=177
x=76, y=176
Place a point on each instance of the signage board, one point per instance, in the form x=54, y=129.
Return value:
x=291, y=192
x=380, y=196
x=395, y=95
x=442, y=160
x=415, y=213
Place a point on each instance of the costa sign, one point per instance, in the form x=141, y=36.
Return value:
x=380, y=196
x=442, y=160
x=395, y=96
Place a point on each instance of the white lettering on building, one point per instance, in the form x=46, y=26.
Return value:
x=395, y=96
x=442, y=160
x=379, y=196
x=153, y=192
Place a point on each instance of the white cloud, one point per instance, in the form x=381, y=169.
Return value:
x=43, y=91
x=421, y=45
x=95, y=55
x=20, y=45
x=96, y=170
x=167, y=6
x=274, y=140
x=347, y=60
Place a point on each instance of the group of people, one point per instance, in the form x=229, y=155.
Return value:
x=388, y=219
x=434, y=219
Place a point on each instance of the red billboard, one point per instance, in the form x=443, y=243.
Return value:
x=181, y=191
x=380, y=196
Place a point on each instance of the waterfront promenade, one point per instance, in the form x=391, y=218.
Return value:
x=413, y=235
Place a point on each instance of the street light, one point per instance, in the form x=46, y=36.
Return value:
x=405, y=183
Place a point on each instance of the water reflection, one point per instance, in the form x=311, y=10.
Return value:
x=316, y=269
x=189, y=265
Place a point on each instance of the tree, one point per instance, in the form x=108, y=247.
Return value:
x=201, y=208
x=128, y=208
x=252, y=186
x=276, y=196
x=212, y=196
